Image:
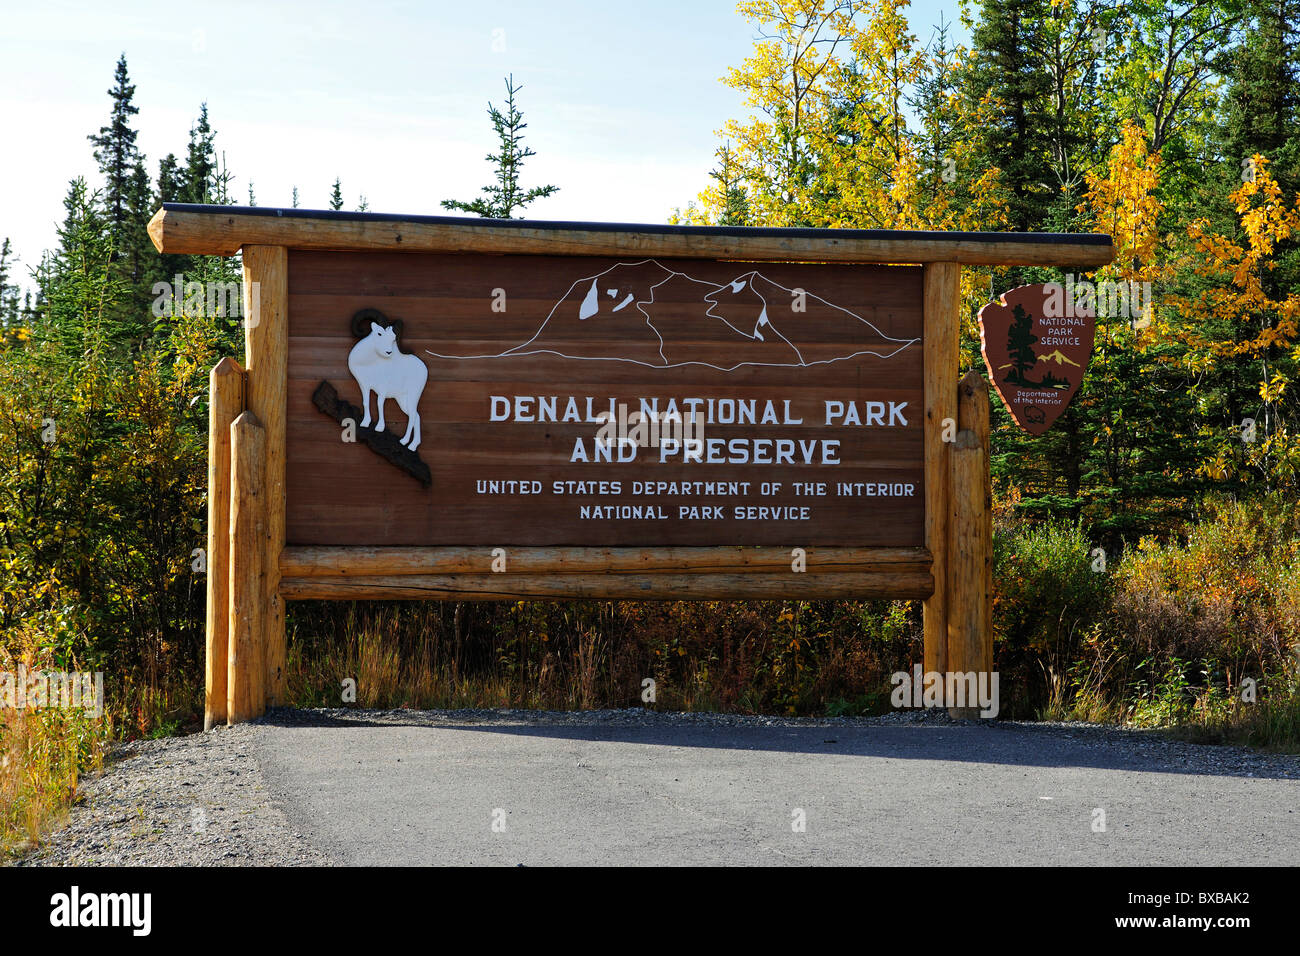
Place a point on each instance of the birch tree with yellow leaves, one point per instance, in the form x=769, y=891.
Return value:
x=830, y=83
x=1240, y=319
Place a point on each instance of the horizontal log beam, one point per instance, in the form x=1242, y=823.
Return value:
x=912, y=585
x=222, y=230
x=308, y=562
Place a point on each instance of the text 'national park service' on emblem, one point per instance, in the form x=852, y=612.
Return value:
x=1036, y=345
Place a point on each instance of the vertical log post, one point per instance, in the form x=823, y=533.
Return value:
x=246, y=681
x=970, y=547
x=225, y=402
x=266, y=295
x=941, y=301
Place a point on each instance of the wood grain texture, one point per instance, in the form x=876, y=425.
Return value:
x=223, y=231
x=970, y=567
x=246, y=679
x=942, y=301
x=342, y=494
x=225, y=403
x=266, y=348
x=643, y=587
x=306, y=562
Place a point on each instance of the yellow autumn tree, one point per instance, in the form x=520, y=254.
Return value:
x=788, y=84
x=1244, y=320
x=829, y=143
x=1122, y=202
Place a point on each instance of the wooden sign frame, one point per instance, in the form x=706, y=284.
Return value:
x=251, y=573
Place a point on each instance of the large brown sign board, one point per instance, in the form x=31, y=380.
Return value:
x=789, y=401
x=832, y=455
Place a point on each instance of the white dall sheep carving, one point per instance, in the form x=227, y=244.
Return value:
x=379, y=366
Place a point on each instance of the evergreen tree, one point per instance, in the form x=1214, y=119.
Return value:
x=140, y=264
x=1017, y=140
x=79, y=286
x=170, y=188
x=935, y=107
x=171, y=182
x=502, y=199
x=116, y=153
x=294, y=202
x=10, y=310
x=1262, y=108
x=128, y=200
x=735, y=204
x=336, y=195
x=222, y=177
x=198, y=181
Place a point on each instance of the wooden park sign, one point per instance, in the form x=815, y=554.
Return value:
x=447, y=408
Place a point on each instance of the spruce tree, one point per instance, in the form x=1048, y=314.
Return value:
x=504, y=197
x=1262, y=107
x=336, y=195
x=116, y=153
x=10, y=310
x=140, y=264
x=1017, y=141
x=735, y=205
x=198, y=180
x=936, y=111
x=78, y=285
x=171, y=186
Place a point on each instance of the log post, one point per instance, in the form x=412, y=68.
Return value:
x=970, y=569
x=246, y=681
x=941, y=301
x=266, y=297
x=225, y=402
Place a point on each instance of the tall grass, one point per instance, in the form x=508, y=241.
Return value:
x=770, y=657
x=44, y=753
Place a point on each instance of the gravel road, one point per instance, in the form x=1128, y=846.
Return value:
x=632, y=787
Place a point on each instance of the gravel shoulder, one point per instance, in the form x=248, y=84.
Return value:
x=337, y=787
x=197, y=800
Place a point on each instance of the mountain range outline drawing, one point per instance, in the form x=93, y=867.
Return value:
x=735, y=315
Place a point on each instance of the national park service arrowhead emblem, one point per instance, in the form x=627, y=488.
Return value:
x=1036, y=342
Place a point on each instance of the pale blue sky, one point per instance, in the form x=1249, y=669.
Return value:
x=622, y=100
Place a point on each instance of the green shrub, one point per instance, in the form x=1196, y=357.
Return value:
x=1046, y=597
